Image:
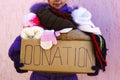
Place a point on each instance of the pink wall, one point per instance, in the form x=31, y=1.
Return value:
x=105, y=15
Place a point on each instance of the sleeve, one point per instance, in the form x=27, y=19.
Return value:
x=14, y=54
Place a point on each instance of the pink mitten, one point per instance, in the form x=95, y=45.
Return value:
x=48, y=39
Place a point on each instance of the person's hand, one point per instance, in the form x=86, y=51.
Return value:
x=96, y=71
x=17, y=67
x=17, y=63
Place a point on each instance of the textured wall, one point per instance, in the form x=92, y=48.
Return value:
x=105, y=15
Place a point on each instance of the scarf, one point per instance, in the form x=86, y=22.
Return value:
x=100, y=53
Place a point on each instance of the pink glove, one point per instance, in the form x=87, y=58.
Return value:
x=48, y=39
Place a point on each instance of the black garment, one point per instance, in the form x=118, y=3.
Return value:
x=51, y=21
x=100, y=53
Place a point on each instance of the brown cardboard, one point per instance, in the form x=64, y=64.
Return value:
x=66, y=56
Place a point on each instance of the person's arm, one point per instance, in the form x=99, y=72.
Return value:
x=14, y=54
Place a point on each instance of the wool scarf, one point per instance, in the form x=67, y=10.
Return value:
x=99, y=53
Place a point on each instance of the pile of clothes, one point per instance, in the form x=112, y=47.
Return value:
x=49, y=24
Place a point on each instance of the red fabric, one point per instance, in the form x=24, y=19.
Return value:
x=64, y=15
x=98, y=52
x=35, y=21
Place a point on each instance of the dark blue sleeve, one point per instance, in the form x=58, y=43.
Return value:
x=14, y=54
x=15, y=49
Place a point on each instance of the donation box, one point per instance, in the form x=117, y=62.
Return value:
x=65, y=57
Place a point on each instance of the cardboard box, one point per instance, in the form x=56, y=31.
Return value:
x=66, y=57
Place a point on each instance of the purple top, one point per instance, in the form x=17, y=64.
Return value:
x=37, y=6
x=14, y=53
